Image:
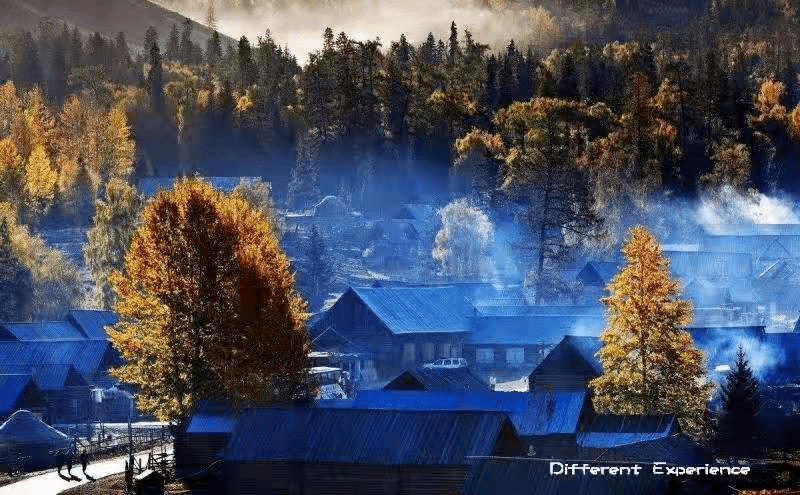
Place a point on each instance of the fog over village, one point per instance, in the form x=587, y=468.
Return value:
x=360, y=246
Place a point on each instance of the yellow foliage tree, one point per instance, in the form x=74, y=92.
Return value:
x=650, y=363
x=40, y=177
x=207, y=305
x=12, y=172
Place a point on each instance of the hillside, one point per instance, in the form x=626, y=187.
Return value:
x=132, y=17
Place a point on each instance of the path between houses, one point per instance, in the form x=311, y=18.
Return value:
x=50, y=483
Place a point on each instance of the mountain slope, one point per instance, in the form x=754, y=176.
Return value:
x=108, y=17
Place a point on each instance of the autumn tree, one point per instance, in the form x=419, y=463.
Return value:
x=463, y=243
x=650, y=363
x=207, y=305
x=731, y=167
x=536, y=148
x=114, y=222
x=738, y=421
x=55, y=282
x=16, y=291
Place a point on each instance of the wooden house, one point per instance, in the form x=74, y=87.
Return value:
x=206, y=435
x=65, y=391
x=430, y=379
x=20, y=392
x=317, y=450
x=395, y=328
x=570, y=365
x=512, y=345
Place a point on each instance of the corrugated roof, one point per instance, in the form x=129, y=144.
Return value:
x=85, y=355
x=607, y=430
x=212, y=417
x=587, y=347
x=531, y=329
x=433, y=379
x=44, y=330
x=418, y=309
x=542, y=412
x=752, y=229
x=606, y=270
x=92, y=321
x=47, y=377
x=11, y=387
x=362, y=436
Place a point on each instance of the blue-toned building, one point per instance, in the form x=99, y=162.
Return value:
x=65, y=359
x=437, y=379
x=20, y=392
x=306, y=450
x=395, y=328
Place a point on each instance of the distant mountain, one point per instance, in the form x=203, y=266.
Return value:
x=108, y=17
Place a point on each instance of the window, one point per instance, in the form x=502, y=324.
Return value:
x=444, y=349
x=428, y=351
x=484, y=356
x=515, y=356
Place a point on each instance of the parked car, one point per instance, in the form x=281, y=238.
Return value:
x=447, y=363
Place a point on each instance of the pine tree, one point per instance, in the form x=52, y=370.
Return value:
x=155, y=80
x=150, y=39
x=57, y=77
x=28, y=69
x=318, y=272
x=738, y=421
x=15, y=281
x=650, y=363
x=213, y=49
x=173, y=44
x=247, y=69
x=304, y=186
x=75, y=49
x=453, y=49
x=186, y=47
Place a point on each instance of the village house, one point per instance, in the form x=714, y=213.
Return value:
x=395, y=328
x=20, y=392
x=433, y=379
x=65, y=359
x=307, y=450
x=508, y=346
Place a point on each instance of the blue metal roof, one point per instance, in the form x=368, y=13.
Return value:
x=418, y=309
x=47, y=376
x=587, y=347
x=44, y=330
x=11, y=387
x=437, y=379
x=356, y=436
x=604, y=270
x=85, y=355
x=211, y=423
x=542, y=412
x=531, y=328
x=93, y=321
x=607, y=430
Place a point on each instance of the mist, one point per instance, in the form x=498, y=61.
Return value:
x=299, y=26
x=727, y=206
